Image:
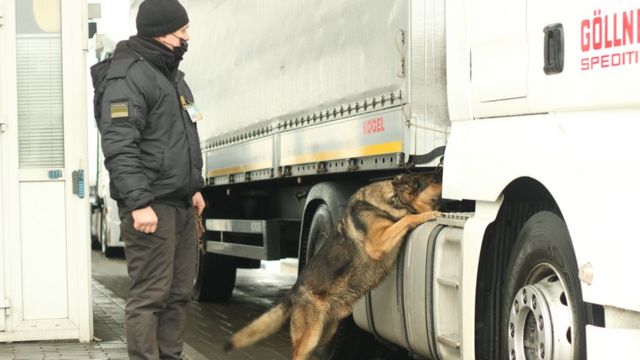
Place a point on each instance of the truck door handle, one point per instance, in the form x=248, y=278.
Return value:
x=553, y=49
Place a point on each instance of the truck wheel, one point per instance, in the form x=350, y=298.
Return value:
x=215, y=278
x=543, y=314
x=349, y=342
x=107, y=251
x=95, y=236
x=96, y=215
x=95, y=244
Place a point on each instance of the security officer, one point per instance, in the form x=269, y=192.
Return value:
x=147, y=120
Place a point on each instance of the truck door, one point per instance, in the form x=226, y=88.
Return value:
x=44, y=257
x=499, y=50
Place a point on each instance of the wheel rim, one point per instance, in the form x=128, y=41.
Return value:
x=541, y=319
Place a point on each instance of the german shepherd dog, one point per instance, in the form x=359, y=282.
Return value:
x=354, y=259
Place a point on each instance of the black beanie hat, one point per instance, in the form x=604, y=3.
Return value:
x=160, y=17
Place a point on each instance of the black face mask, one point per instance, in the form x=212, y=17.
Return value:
x=179, y=51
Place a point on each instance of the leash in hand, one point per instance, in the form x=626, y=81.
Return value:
x=200, y=230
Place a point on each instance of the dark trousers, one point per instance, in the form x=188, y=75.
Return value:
x=161, y=272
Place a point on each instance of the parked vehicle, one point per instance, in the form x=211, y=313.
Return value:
x=105, y=221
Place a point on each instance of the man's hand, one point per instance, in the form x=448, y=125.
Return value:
x=145, y=220
x=198, y=202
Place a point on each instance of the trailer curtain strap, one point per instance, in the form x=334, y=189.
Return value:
x=428, y=157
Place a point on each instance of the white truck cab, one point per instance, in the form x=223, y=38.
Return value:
x=527, y=107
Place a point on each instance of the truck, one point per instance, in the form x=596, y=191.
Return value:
x=526, y=107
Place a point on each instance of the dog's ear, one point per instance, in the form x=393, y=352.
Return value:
x=405, y=184
x=426, y=179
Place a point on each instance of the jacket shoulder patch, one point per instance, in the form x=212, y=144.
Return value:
x=119, y=109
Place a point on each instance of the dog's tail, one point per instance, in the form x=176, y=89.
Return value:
x=267, y=324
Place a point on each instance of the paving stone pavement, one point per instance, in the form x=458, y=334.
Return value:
x=208, y=326
x=109, y=336
x=109, y=343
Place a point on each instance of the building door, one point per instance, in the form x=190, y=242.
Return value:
x=44, y=210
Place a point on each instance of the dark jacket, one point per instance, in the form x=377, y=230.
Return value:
x=151, y=146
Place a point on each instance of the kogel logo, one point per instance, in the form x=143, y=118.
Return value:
x=372, y=126
x=605, y=36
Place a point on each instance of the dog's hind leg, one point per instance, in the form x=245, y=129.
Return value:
x=329, y=330
x=307, y=323
x=336, y=315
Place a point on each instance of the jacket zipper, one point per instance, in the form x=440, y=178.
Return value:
x=186, y=132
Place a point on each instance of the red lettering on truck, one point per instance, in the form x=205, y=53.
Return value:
x=374, y=125
x=609, y=31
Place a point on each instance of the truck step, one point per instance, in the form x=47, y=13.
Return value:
x=446, y=292
x=253, y=239
x=240, y=226
x=449, y=282
x=451, y=340
x=456, y=219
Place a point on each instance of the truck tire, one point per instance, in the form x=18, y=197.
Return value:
x=349, y=342
x=107, y=251
x=96, y=216
x=215, y=278
x=543, y=313
x=95, y=242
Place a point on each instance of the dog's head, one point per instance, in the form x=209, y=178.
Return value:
x=417, y=192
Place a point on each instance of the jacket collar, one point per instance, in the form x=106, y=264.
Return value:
x=158, y=55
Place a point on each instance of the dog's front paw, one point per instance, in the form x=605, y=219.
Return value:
x=430, y=215
x=424, y=217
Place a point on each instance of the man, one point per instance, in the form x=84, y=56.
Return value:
x=147, y=119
